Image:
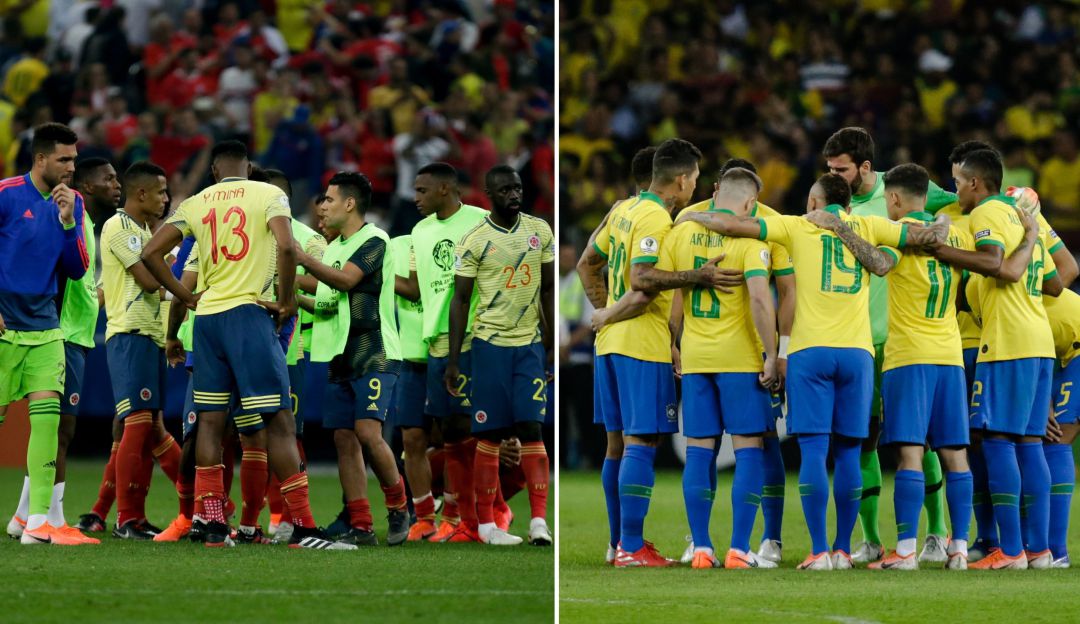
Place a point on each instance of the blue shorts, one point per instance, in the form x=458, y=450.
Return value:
x=1066, y=381
x=717, y=402
x=1012, y=396
x=297, y=377
x=970, y=357
x=409, y=395
x=75, y=366
x=925, y=404
x=137, y=370
x=238, y=351
x=829, y=390
x=508, y=385
x=288, y=331
x=368, y=397
x=440, y=403
x=634, y=396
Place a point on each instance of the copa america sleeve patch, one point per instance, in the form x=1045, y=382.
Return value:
x=982, y=234
x=134, y=244
x=649, y=245
x=765, y=257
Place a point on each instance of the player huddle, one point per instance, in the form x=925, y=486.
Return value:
x=934, y=323
x=255, y=295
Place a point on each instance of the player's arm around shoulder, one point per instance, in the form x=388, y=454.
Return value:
x=646, y=276
x=875, y=260
x=726, y=223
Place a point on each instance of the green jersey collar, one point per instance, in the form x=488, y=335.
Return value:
x=1001, y=198
x=921, y=215
x=858, y=199
x=651, y=197
x=836, y=209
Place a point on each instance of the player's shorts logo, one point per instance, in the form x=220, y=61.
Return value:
x=534, y=242
x=145, y=394
x=74, y=399
x=443, y=254
x=191, y=417
x=672, y=415
x=481, y=417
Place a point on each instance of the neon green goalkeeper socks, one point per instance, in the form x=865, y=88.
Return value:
x=935, y=495
x=41, y=452
x=871, y=492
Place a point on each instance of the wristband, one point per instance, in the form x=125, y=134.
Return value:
x=782, y=351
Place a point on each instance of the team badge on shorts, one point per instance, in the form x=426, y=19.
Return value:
x=74, y=400
x=481, y=417
x=191, y=417
x=534, y=242
x=145, y=394
x=672, y=414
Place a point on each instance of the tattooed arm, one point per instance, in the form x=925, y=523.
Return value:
x=876, y=261
x=590, y=269
x=628, y=306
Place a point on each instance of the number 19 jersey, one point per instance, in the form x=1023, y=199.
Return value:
x=230, y=223
x=634, y=233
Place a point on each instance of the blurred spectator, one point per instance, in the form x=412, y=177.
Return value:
x=1059, y=182
x=575, y=364
x=120, y=125
x=236, y=87
x=183, y=151
x=297, y=150
x=425, y=144
x=108, y=44
x=400, y=96
x=94, y=143
x=27, y=74
x=271, y=106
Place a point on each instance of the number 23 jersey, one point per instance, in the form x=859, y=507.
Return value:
x=230, y=223
x=506, y=267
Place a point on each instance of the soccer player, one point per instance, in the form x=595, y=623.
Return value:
x=922, y=379
x=355, y=330
x=41, y=242
x=849, y=153
x=1063, y=313
x=134, y=339
x=431, y=281
x=95, y=179
x=830, y=362
x=235, y=222
x=1012, y=389
x=783, y=274
x=726, y=384
x=509, y=258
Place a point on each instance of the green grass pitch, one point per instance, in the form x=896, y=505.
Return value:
x=121, y=581
x=590, y=591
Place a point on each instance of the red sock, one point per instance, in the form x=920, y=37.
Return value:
x=499, y=505
x=295, y=491
x=425, y=507
x=167, y=455
x=185, y=490
x=360, y=514
x=273, y=495
x=511, y=481
x=129, y=466
x=210, y=492
x=107, y=489
x=395, y=495
x=437, y=459
x=253, y=473
x=459, y=469
x=450, y=511
x=534, y=461
x=486, y=480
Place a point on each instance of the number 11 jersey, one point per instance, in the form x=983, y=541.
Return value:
x=230, y=223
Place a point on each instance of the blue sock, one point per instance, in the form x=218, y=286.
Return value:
x=772, y=493
x=609, y=476
x=745, y=495
x=1035, y=482
x=910, y=489
x=814, y=487
x=1059, y=457
x=1003, y=474
x=698, y=493
x=958, y=498
x=636, y=478
x=847, y=489
x=983, y=508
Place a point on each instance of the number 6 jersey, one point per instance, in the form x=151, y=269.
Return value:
x=506, y=266
x=230, y=223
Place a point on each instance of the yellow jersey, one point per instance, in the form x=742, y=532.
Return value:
x=129, y=308
x=1012, y=316
x=506, y=266
x=230, y=222
x=719, y=335
x=634, y=233
x=832, y=302
x=1063, y=312
x=922, y=305
x=781, y=259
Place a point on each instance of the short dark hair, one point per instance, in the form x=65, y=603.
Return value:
x=673, y=158
x=86, y=168
x=258, y=174
x=496, y=171
x=738, y=175
x=641, y=166
x=354, y=185
x=278, y=174
x=837, y=190
x=986, y=165
x=140, y=171
x=961, y=151
x=853, y=141
x=232, y=149
x=439, y=170
x=741, y=163
x=911, y=178
x=48, y=135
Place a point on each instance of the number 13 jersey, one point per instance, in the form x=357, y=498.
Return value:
x=506, y=267
x=230, y=223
